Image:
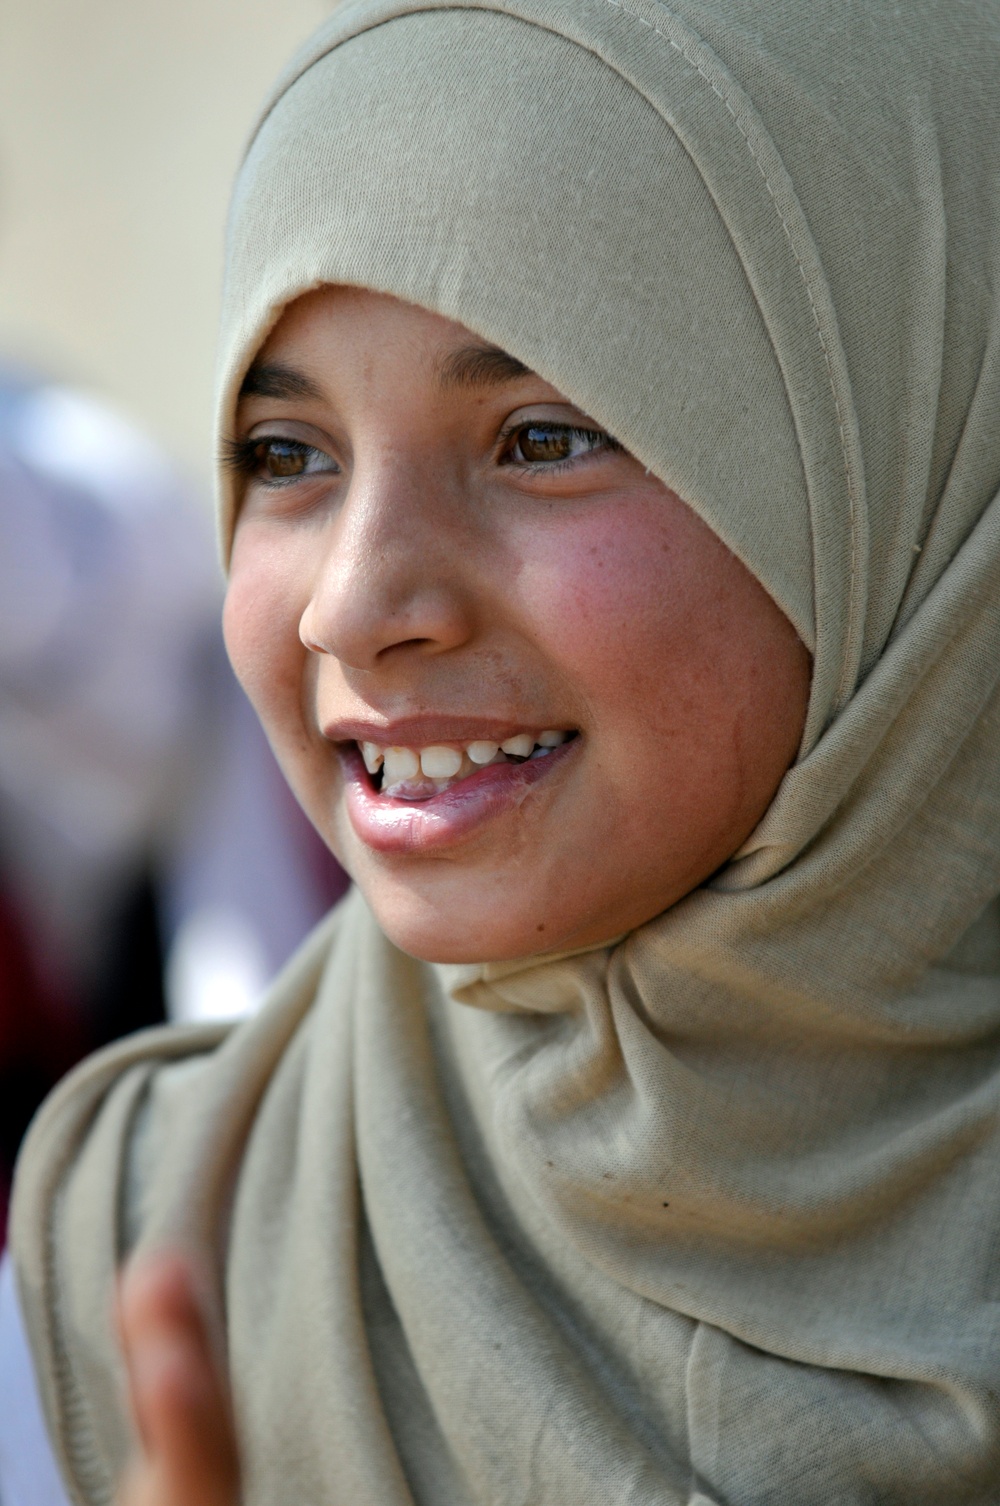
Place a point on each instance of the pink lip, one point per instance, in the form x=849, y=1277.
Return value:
x=412, y=826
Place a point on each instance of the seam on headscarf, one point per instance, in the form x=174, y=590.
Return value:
x=843, y=688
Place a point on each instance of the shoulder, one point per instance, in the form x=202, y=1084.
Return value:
x=122, y=1152
x=73, y=1218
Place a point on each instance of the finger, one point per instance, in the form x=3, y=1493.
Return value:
x=180, y=1401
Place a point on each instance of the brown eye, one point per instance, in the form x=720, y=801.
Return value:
x=538, y=444
x=276, y=457
x=273, y=460
x=554, y=445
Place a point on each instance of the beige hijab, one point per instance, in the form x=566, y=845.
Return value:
x=711, y=1215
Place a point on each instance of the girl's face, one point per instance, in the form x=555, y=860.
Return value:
x=440, y=556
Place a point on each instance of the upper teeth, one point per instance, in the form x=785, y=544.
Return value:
x=439, y=761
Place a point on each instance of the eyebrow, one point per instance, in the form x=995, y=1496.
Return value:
x=479, y=366
x=274, y=379
x=469, y=366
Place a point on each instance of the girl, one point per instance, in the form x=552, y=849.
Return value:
x=608, y=405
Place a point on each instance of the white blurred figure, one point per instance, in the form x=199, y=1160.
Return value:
x=108, y=594
x=129, y=759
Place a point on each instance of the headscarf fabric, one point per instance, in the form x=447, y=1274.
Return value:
x=710, y=1216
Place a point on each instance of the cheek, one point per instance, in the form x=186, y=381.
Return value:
x=260, y=625
x=691, y=678
x=619, y=599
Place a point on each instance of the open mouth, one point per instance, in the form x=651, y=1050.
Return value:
x=408, y=801
x=421, y=773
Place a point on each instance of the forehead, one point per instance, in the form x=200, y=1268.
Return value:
x=345, y=325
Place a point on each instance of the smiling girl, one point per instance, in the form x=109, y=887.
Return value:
x=610, y=498
x=487, y=644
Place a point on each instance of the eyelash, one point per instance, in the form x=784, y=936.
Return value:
x=246, y=457
x=509, y=436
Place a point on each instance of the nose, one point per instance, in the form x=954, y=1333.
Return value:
x=392, y=573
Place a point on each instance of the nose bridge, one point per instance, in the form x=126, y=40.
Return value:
x=386, y=577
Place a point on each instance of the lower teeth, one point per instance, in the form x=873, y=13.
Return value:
x=420, y=787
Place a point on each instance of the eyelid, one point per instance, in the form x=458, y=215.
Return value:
x=293, y=430
x=559, y=415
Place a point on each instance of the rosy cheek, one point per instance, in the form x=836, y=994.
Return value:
x=613, y=599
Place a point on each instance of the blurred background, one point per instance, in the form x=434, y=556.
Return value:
x=121, y=125
x=152, y=863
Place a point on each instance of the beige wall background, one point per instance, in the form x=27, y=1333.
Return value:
x=121, y=123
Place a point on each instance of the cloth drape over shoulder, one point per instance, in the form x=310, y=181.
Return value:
x=709, y=1215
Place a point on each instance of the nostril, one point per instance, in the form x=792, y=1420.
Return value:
x=309, y=638
x=406, y=644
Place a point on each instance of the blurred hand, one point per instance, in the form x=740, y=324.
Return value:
x=188, y=1454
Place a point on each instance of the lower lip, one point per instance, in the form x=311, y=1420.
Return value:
x=412, y=826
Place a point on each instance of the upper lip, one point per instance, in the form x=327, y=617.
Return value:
x=426, y=730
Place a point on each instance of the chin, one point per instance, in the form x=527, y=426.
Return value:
x=470, y=934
